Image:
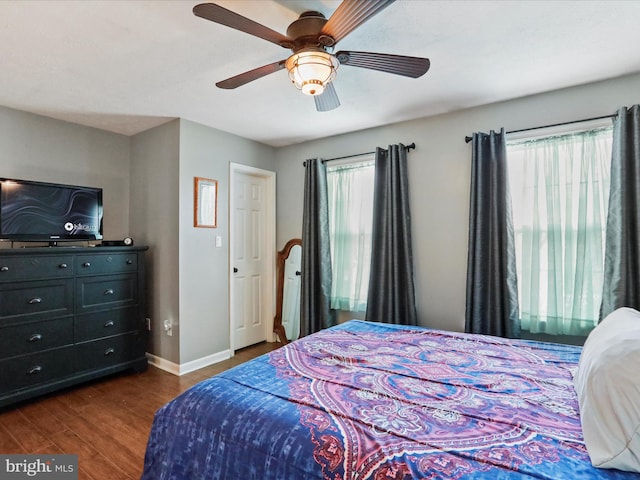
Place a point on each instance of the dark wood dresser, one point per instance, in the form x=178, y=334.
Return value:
x=68, y=315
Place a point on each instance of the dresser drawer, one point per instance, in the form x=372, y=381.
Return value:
x=112, y=291
x=34, y=369
x=105, y=263
x=18, y=268
x=92, y=326
x=108, y=351
x=31, y=301
x=35, y=337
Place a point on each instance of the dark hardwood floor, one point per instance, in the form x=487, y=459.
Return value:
x=105, y=422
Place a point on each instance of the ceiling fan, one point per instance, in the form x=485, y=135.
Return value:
x=311, y=67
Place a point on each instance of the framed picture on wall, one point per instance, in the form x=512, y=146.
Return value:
x=205, y=202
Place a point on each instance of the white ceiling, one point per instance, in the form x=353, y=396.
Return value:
x=126, y=66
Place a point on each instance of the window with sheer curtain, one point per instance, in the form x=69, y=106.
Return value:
x=350, y=190
x=560, y=190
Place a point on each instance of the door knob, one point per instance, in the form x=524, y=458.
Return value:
x=235, y=270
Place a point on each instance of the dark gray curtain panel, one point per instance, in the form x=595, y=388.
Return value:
x=622, y=250
x=315, y=289
x=492, y=289
x=391, y=295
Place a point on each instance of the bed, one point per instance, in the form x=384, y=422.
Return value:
x=379, y=401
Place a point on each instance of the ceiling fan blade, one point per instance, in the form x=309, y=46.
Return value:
x=350, y=14
x=413, y=67
x=251, y=75
x=218, y=14
x=328, y=100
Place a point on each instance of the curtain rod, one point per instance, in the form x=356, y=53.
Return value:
x=411, y=146
x=467, y=139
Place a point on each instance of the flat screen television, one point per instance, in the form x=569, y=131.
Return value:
x=49, y=212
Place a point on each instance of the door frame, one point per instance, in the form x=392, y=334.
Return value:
x=269, y=245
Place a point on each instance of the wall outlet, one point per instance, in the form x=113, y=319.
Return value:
x=147, y=323
x=168, y=327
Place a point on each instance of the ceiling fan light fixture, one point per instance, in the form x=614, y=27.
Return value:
x=311, y=70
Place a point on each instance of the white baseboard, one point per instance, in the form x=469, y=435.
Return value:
x=188, y=367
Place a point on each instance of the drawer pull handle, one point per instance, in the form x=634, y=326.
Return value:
x=34, y=370
x=109, y=324
x=35, y=300
x=129, y=262
x=4, y=269
x=86, y=264
x=109, y=351
x=109, y=291
x=35, y=337
x=63, y=265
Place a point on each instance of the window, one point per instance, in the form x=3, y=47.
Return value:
x=350, y=190
x=560, y=190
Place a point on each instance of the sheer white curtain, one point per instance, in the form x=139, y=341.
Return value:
x=560, y=191
x=350, y=191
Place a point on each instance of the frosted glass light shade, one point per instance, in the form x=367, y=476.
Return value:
x=310, y=71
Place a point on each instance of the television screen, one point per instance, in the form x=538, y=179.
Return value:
x=38, y=211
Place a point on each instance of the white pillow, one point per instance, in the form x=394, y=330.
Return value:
x=607, y=382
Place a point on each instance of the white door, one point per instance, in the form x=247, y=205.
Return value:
x=251, y=258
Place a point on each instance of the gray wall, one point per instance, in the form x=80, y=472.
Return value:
x=154, y=222
x=440, y=170
x=33, y=147
x=188, y=276
x=147, y=182
x=148, y=189
x=204, y=269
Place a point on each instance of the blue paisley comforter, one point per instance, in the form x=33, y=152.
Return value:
x=376, y=401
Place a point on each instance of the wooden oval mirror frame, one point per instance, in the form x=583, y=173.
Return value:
x=283, y=254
